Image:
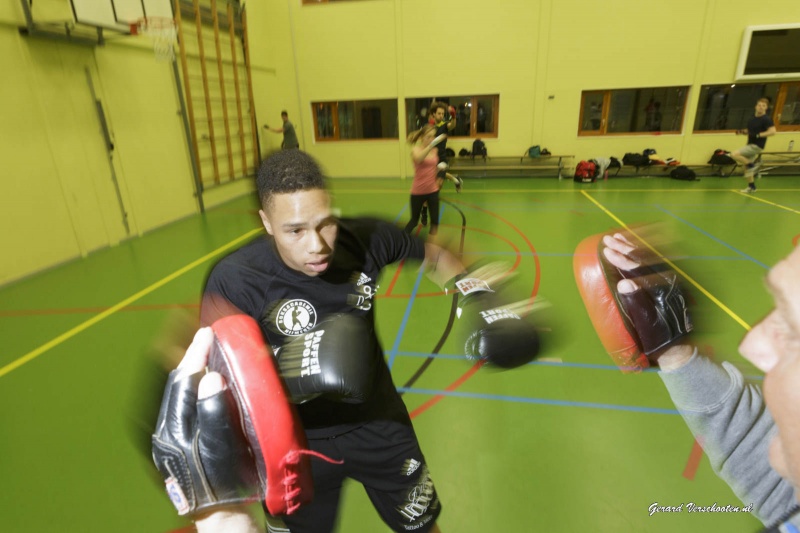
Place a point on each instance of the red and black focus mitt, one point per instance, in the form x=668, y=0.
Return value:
x=271, y=424
x=634, y=300
x=240, y=445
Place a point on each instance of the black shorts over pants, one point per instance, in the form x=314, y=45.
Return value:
x=385, y=457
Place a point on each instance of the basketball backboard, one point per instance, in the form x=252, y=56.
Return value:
x=118, y=15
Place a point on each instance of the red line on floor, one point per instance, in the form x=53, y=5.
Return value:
x=517, y=261
x=538, y=274
x=394, y=280
x=694, y=461
x=399, y=268
x=477, y=366
x=453, y=386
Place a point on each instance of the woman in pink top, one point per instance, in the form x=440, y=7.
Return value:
x=424, y=188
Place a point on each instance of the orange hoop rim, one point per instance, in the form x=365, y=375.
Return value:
x=149, y=25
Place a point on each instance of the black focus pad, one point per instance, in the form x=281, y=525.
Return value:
x=657, y=311
x=200, y=450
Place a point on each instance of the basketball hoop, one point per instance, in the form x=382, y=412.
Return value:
x=163, y=33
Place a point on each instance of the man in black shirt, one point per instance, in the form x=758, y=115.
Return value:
x=310, y=285
x=758, y=129
x=313, y=266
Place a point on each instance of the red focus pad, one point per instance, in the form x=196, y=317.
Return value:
x=271, y=424
x=601, y=304
x=452, y=111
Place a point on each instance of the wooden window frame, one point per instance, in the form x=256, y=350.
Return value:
x=334, y=106
x=776, y=105
x=604, y=120
x=473, y=119
x=780, y=100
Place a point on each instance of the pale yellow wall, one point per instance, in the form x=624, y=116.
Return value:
x=58, y=202
x=538, y=55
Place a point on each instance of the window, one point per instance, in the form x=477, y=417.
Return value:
x=769, y=52
x=729, y=107
x=356, y=120
x=624, y=111
x=476, y=116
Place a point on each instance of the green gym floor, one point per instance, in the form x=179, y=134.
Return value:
x=566, y=443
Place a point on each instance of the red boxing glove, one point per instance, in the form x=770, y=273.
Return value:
x=452, y=111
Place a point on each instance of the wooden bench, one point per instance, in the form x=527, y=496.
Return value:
x=770, y=161
x=483, y=165
x=722, y=171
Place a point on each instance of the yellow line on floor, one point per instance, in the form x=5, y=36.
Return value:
x=749, y=195
x=33, y=354
x=685, y=276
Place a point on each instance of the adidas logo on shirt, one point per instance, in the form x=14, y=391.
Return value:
x=362, y=279
x=411, y=466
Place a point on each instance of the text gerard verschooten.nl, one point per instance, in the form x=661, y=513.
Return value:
x=692, y=507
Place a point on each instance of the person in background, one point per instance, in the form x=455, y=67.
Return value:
x=759, y=127
x=289, y=135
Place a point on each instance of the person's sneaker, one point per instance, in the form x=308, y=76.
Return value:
x=459, y=183
x=749, y=190
x=424, y=218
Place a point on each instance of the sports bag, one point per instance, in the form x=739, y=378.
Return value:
x=478, y=148
x=682, y=172
x=586, y=172
x=635, y=160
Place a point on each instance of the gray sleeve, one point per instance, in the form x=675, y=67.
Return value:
x=729, y=418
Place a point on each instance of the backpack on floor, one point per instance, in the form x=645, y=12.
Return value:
x=682, y=172
x=586, y=172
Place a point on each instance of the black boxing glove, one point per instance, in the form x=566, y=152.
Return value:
x=337, y=359
x=490, y=326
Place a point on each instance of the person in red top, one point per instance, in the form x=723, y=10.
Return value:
x=425, y=187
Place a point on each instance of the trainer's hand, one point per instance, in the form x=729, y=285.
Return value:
x=634, y=300
x=198, y=446
x=742, y=131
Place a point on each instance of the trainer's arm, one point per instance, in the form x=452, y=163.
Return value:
x=729, y=419
x=441, y=265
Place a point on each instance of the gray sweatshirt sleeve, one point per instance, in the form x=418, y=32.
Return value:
x=729, y=419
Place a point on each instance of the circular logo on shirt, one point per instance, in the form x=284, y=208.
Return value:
x=296, y=317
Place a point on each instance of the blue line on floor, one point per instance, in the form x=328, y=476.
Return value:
x=542, y=401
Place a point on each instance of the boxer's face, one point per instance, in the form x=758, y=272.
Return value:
x=773, y=345
x=304, y=229
x=439, y=115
